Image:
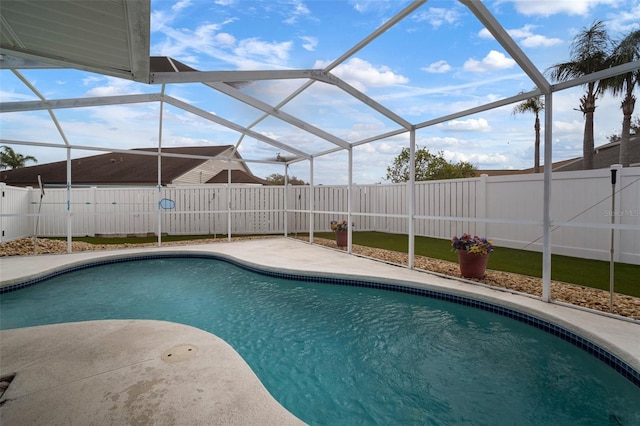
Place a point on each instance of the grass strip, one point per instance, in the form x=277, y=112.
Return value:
x=574, y=270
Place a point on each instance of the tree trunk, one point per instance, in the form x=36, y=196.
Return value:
x=628, y=105
x=536, y=161
x=588, y=108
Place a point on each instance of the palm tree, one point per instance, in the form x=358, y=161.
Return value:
x=590, y=51
x=627, y=50
x=12, y=160
x=534, y=105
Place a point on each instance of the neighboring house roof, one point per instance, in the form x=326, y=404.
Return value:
x=607, y=155
x=237, y=176
x=118, y=168
x=505, y=172
x=604, y=156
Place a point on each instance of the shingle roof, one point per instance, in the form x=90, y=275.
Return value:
x=604, y=156
x=607, y=155
x=113, y=168
x=237, y=176
x=506, y=172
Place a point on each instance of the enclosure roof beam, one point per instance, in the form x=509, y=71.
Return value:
x=378, y=32
x=491, y=24
x=329, y=78
x=227, y=76
x=78, y=102
x=502, y=102
x=132, y=151
x=380, y=137
x=598, y=75
x=249, y=100
x=49, y=110
x=231, y=125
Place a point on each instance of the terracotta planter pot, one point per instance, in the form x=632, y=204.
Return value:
x=472, y=265
x=341, y=238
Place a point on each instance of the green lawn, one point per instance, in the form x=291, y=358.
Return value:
x=586, y=272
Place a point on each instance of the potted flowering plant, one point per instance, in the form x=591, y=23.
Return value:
x=473, y=254
x=340, y=227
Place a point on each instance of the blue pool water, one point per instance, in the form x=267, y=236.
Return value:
x=341, y=355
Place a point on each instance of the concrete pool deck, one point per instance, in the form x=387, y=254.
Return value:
x=156, y=372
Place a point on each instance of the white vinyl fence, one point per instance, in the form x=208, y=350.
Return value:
x=507, y=209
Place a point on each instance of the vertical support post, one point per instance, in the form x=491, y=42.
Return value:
x=159, y=197
x=411, y=185
x=69, y=221
x=546, y=199
x=349, y=206
x=285, y=200
x=229, y=200
x=312, y=198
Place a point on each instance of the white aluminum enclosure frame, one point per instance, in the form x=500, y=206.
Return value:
x=17, y=51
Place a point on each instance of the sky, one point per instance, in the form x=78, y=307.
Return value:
x=435, y=62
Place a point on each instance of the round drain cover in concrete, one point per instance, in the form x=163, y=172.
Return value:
x=179, y=353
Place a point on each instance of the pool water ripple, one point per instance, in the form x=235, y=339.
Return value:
x=350, y=355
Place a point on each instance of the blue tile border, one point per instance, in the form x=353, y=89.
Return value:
x=603, y=355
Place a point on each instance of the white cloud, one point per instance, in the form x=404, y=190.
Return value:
x=299, y=9
x=375, y=6
x=361, y=74
x=477, y=159
x=625, y=21
x=179, y=5
x=537, y=40
x=493, y=61
x=525, y=36
x=91, y=79
x=113, y=86
x=257, y=47
x=438, y=67
x=568, y=126
x=437, y=16
x=469, y=125
x=310, y=43
x=438, y=142
x=193, y=46
x=553, y=7
x=224, y=39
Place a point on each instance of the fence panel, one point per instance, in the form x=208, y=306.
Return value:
x=578, y=198
x=518, y=198
x=14, y=201
x=627, y=243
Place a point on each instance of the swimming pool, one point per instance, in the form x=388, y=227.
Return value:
x=330, y=353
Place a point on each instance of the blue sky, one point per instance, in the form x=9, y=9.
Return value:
x=437, y=61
